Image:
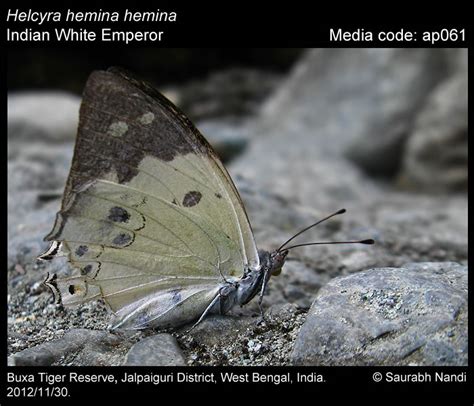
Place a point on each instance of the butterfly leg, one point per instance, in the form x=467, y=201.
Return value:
x=222, y=275
x=222, y=297
x=262, y=314
x=205, y=312
x=266, y=277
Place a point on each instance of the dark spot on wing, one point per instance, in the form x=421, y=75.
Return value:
x=218, y=195
x=81, y=250
x=86, y=270
x=118, y=215
x=192, y=198
x=91, y=270
x=71, y=289
x=122, y=239
x=174, y=202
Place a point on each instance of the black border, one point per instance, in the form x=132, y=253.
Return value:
x=282, y=25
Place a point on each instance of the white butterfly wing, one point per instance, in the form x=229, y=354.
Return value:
x=148, y=207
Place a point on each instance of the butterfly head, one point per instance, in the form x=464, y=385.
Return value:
x=256, y=279
x=272, y=263
x=277, y=259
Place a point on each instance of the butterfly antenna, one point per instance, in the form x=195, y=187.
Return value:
x=311, y=226
x=369, y=241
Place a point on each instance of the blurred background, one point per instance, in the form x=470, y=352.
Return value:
x=303, y=132
x=46, y=68
x=378, y=99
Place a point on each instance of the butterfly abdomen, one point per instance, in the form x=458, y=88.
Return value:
x=166, y=309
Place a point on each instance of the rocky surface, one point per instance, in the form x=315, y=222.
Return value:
x=369, y=103
x=413, y=315
x=76, y=347
x=244, y=338
x=46, y=116
x=156, y=350
x=291, y=164
x=437, y=148
x=233, y=92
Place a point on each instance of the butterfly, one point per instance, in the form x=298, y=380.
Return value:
x=151, y=220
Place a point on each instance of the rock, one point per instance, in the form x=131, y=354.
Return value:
x=29, y=221
x=34, y=165
x=417, y=228
x=26, y=233
x=290, y=173
x=435, y=159
x=156, y=350
x=297, y=284
x=456, y=59
x=37, y=175
x=216, y=329
x=403, y=78
x=364, y=101
x=77, y=346
x=233, y=92
x=344, y=92
x=51, y=116
x=414, y=315
x=325, y=98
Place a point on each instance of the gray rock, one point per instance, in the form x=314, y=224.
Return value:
x=404, y=78
x=77, y=346
x=301, y=179
x=36, y=165
x=414, y=228
x=297, y=284
x=217, y=329
x=305, y=126
x=233, y=92
x=457, y=60
x=28, y=222
x=361, y=102
x=156, y=350
x=436, y=153
x=344, y=92
x=36, y=174
x=47, y=115
x=414, y=315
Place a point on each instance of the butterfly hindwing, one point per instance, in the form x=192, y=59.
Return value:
x=166, y=308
